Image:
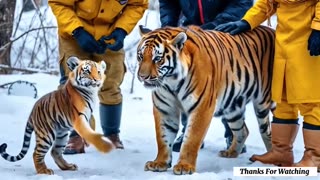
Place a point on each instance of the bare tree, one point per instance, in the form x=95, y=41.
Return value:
x=131, y=47
x=7, y=8
x=31, y=40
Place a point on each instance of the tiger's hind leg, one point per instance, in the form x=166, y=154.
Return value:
x=262, y=113
x=240, y=133
x=57, y=149
x=42, y=147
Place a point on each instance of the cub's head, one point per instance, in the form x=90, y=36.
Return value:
x=159, y=56
x=86, y=73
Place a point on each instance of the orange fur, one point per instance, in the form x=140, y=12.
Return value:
x=57, y=112
x=190, y=71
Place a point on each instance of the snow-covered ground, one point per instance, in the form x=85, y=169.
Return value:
x=137, y=133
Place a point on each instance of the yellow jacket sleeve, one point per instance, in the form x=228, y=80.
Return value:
x=66, y=18
x=259, y=12
x=131, y=14
x=316, y=20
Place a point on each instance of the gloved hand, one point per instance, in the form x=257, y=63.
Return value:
x=86, y=41
x=208, y=26
x=314, y=43
x=235, y=27
x=118, y=35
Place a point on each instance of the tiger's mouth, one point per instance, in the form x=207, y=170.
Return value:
x=151, y=84
x=93, y=84
x=147, y=84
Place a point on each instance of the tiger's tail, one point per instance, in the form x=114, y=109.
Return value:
x=25, y=147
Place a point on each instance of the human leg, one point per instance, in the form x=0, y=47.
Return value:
x=311, y=134
x=284, y=129
x=110, y=95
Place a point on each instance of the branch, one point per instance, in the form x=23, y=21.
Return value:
x=53, y=72
x=15, y=39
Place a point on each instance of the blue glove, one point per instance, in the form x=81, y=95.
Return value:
x=208, y=26
x=86, y=41
x=314, y=43
x=118, y=35
x=234, y=28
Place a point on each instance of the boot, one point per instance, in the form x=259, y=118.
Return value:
x=75, y=145
x=110, y=116
x=116, y=141
x=283, y=136
x=311, y=156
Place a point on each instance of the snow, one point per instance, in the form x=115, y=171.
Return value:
x=137, y=133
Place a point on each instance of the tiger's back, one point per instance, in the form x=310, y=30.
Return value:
x=198, y=72
x=247, y=72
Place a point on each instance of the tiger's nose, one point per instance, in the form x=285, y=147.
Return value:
x=143, y=77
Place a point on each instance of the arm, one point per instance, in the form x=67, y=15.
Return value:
x=259, y=13
x=131, y=14
x=316, y=20
x=234, y=11
x=66, y=17
x=169, y=12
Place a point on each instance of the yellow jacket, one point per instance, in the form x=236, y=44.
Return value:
x=293, y=68
x=98, y=17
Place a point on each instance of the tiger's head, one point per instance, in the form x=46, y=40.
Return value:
x=86, y=74
x=159, y=56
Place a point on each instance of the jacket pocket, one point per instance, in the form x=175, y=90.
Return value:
x=111, y=10
x=87, y=9
x=118, y=5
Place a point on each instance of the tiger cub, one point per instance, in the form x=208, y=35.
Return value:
x=57, y=112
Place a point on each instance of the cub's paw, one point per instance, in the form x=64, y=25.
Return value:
x=45, y=171
x=183, y=168
x=156, y=166
x=103, y=144
x=228, y=154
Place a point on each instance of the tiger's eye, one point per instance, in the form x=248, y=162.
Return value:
x=157, y=59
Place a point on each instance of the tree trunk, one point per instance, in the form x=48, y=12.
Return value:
x=7, y=8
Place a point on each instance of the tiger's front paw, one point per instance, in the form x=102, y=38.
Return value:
x=103, y=144
x=183, y=168
x=156, y=166
x=228, y=154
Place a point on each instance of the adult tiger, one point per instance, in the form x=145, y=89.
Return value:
x=199, y=72
x=54, y=114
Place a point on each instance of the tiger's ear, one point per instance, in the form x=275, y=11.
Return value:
x=103, y=65
x=143, y=30
x=73, y=62
x=179, y=40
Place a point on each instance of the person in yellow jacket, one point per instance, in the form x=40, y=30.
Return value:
x=96, y=30
x=296, y=76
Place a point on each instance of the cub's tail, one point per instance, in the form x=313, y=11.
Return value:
x=25, y=147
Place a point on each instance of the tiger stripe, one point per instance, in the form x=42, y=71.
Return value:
x=201, y=73
x=57, y=112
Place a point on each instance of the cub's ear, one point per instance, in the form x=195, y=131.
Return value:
x=73, y=62
x=179, y=40
x=143, y=30
x=103, y=65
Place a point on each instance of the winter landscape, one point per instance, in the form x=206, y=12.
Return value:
x=137, y=133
